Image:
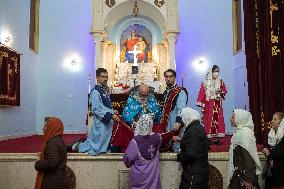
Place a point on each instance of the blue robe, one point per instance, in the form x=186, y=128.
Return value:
x=100, y=134
x=175, y=115
x=133, y=109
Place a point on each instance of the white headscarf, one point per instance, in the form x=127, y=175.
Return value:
x=144, y=125
x=212, y=86
x=244, y=137
x=189, y=115
x=275, y=138
x=282, y=124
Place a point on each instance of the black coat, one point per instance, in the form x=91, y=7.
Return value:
x=54, y=164
x=277, y=155
x=246, y=165
x=194, y=157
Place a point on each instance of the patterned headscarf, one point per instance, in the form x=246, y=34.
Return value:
x=189, y=115
x=144, y=125
x=211, y=86
x=275, y=138
x=54, y=127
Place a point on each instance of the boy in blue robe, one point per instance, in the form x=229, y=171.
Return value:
x=177, y=97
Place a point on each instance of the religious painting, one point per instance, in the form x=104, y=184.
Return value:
x=136, y=44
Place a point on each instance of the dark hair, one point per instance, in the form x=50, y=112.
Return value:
x=172, y=71
x=46, y=119
x=99, y=71
x=214, y=68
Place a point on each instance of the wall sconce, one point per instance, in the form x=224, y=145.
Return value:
x=72, y=62
x=200, y=64
x=6, y=38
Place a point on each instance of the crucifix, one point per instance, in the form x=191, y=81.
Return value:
x=151, y=150
x=135, y=52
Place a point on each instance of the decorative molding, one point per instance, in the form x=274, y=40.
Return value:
x=123, y=178
x=110, y=3
x=159, y=3
x=215, y=156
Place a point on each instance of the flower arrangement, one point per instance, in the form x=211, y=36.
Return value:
x=120, y=87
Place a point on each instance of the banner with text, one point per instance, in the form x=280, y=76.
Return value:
x=9, y=77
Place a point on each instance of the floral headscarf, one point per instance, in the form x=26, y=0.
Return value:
x=144, y=125
x=275, y=138
x=211, y=86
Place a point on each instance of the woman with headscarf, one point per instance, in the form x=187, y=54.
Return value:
x=244, y=164
x=142, y=155
x=51, y=166
x=210, y=97
x=194, y=152
x=274, y=151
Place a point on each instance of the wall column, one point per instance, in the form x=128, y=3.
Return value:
x=172, y=49
x=98, y=50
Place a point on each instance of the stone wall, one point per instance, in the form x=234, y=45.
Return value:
x=97, y=172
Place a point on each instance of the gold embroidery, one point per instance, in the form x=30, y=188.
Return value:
x=275, y=51
x=6, y=97
x=273, y=7
x=10, y=73
x=274, y=38
x=2, y=54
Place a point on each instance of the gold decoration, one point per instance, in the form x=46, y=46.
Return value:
x=159, y=3
x=117, y=105
x=122, y=55
x=275, y=50
x=257, y=30
x=274, y=38
x=135, y=9
x=2, y=54
x=10, y=73
x=273, y=7
x=110, y=3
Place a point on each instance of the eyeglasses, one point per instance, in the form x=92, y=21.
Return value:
x=103, y=76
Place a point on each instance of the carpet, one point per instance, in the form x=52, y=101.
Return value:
x=32, y=144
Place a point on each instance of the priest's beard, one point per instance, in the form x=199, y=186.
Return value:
x=143, y=100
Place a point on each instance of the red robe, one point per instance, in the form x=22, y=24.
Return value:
x=212, y=110
x=122, y=133
x=130, y=43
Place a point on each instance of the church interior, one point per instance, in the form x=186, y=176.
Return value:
x=60, y=44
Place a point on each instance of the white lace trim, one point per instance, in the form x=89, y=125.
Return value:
x=212, y=87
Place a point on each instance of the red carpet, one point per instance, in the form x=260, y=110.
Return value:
x=225, y=145
x=32, y=144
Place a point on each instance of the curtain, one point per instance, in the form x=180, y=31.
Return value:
x=264, y=48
